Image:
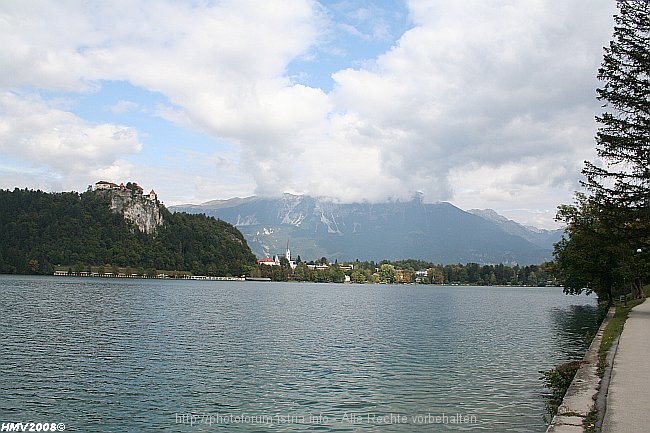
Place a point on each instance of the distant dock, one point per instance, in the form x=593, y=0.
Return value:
x=141, y=276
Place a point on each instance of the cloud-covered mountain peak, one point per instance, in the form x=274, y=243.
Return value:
x=317, y=227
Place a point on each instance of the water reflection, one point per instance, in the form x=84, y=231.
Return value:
x=575, y=326
x=110, y=355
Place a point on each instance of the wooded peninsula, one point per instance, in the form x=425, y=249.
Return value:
x=40, y=231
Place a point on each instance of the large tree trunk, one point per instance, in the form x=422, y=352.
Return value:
x=610, y=296
x=637, y=289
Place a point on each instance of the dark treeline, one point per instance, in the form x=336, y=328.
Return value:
x=302, y=272
x=411, y=271
x=39, y=231
x=471, y=273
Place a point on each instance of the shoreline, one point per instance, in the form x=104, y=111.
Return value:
x=146, y=277
x=85, y=274
x=579, y=401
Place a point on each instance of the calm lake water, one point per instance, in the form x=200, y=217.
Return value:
x=195, y=356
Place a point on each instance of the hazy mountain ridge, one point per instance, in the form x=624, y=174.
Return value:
x=541, y=237
x=316, y=227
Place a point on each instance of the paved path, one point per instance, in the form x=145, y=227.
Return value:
x=628, y=398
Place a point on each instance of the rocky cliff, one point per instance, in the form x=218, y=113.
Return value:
x=140, y=210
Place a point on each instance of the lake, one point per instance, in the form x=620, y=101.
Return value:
x=104, y=355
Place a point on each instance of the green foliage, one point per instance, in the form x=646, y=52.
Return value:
x=387, y=273
x=39, y=230
x=621, y=183
x=405, y=271
x=589, y=422
x=588, y=259
x=486, y=275
x=203, y=245
x=558, y=381
x=302, y=272
x=606, y=229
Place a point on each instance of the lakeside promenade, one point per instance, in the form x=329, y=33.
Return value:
x=628, y=396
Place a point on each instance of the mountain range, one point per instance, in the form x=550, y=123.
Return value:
x=436, y=232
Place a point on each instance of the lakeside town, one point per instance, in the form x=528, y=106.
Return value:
x=284, y=267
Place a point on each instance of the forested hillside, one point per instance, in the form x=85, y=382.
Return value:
x=39, y=231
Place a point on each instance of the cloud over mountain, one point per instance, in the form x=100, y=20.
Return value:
x=485, y=103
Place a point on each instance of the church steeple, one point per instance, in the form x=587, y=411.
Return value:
x=288, y=252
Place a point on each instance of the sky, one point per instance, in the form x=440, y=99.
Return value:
x=481, y=103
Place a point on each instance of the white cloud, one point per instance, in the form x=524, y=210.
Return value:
x=366, y=20
x=220, y=64
x=494, y=84
x=123, y=106
x=49, y=137
x=479, y=99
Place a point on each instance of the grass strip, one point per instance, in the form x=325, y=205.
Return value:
x=615, y=327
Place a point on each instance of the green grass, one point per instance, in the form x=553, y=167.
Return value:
x=615, y=327
x=589, y=422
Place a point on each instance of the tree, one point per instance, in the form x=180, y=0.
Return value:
x=387, y=273
x=605, y=228
x=436, y=276
x=621, y=184
x=33, y=266
x=302, y=272
x=587, y=257
x=358, y=277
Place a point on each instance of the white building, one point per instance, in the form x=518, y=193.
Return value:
x=102, y=184
x=275, y=261
x=287, y=255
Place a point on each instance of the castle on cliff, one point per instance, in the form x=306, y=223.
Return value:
x=143, y=210
x=104, y=185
